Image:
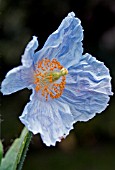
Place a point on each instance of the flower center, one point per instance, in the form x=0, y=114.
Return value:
x=49, y=78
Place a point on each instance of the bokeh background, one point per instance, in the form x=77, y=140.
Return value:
x=91, y=145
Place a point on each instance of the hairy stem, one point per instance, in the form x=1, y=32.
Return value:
x=20, y=165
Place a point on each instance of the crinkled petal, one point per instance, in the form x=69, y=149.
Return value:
x=88, y=88
x=65, y=43
x=53, y=120
x=28, y=56
x=17, y=79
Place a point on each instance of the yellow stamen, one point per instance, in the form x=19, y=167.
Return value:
x=46, y=75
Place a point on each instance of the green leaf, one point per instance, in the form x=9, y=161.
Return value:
x=1, y=151
x=13, y=155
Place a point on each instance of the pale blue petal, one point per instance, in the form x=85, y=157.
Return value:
x=53, y=120
x=88, y=88
x=65, y=43
x=17, y=79
x=28, y=56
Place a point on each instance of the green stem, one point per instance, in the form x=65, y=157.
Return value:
x=24, y=151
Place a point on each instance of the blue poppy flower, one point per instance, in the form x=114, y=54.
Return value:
x=66, y=86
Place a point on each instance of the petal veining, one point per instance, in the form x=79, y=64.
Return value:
x=28, y=56
x=17, y=79
x=87, y=88
x=65, y=43
x=52, y=120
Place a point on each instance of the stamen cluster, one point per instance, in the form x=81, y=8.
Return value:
x=46, y=76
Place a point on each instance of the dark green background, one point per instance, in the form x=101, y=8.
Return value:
x=91, y=145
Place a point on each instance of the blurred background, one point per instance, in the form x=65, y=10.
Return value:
x=91, y=145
